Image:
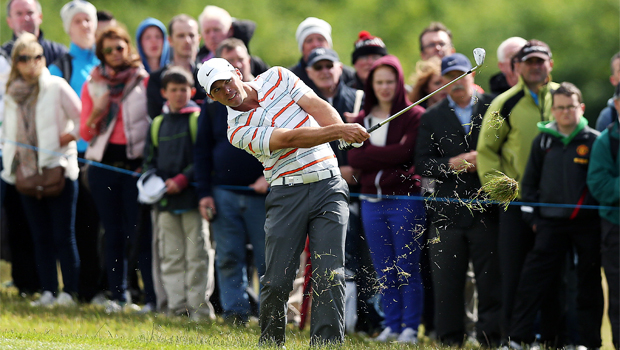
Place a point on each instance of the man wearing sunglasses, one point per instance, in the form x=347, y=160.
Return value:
x=26, y=16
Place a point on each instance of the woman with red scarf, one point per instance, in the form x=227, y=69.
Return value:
x=114, y=120
x=393, y=226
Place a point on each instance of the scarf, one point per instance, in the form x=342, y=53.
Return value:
x=25, y=95
x=116, y=84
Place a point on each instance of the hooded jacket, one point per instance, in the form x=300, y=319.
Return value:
x=556, y=171
x=389, y=170
x=166, y=51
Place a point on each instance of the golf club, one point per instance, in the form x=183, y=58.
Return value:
x=479, y=55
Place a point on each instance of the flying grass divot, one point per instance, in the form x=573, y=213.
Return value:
x=500, y=188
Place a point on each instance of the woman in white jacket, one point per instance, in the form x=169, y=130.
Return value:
x=41, y=124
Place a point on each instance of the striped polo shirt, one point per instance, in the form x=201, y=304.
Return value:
x=278, y=91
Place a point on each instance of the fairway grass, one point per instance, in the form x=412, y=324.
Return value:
x=89, y=328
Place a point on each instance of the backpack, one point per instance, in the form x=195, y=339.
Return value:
x=64, y=64
x=156, y=124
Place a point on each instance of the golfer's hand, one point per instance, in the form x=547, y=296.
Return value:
x=207, y=208
x=353, y=133
x=260, y=185
x=464, y=161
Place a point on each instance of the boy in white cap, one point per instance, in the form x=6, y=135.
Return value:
x=312, y=33
x=287, y=127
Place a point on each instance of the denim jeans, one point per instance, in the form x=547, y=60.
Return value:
x=52, y=224
x=393, y=229
x=240, y=220
x=116, y=198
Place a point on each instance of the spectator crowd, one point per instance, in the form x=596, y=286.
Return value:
x=123, y=154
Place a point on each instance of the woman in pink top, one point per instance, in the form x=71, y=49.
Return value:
x=114, y=121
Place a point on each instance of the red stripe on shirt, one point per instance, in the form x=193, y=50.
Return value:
x=250, y=144
x=288, y=154
x=246, y=124
x=307, y=165
x=273, y=121
x=302, y=122
x=273, y=87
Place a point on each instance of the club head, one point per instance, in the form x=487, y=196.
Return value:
x=479, y=55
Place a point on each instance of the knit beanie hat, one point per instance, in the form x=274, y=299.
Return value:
x=367, y=44
x=73, y=8
x=313, y=25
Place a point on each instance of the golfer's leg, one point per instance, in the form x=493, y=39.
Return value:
x=285, y=235
x=327, y=232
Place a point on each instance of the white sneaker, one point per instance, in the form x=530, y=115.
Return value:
x=99, y=300
x=408, y=336
x=47, y=299
x=148, y=308
x=113, y=306
x=65, y=300
x=386, y=336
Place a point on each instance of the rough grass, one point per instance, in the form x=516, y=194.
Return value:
x=89, y=328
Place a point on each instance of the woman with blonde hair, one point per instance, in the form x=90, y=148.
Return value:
x=427, y=79
x=41, y=119
x=115, y=122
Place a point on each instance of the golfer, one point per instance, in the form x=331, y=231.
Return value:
x=286, y=126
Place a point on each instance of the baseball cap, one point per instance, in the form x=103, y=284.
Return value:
x=456, y=61
x=534, y=48
x=213, y=70
x=321, y=53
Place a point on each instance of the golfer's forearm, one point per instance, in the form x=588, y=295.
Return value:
x=321, y=111
x=304, y=137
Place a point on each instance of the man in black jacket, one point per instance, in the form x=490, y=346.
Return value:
x=446, y=151
x=556, y=174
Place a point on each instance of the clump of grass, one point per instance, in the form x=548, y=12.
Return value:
x=500, y=188
x=496, y=121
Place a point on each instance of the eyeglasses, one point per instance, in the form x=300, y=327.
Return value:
x=319, y=67
x=27, y=58
x=429, y=46
x=109, y=50
x=561, y=109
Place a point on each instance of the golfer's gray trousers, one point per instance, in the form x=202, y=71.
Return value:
x=320, y=212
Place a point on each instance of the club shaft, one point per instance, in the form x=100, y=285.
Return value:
x=377, y=126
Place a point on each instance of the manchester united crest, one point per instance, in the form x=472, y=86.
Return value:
x=583, y=150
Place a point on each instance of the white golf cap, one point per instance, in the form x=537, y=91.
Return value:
x=213, y=70
x=151, y=188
